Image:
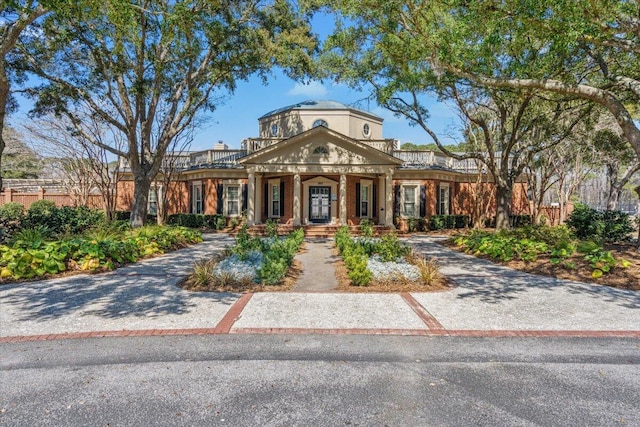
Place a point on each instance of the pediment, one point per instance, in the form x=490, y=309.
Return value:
x=320, y=146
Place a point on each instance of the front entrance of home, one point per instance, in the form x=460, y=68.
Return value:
x=320, y=204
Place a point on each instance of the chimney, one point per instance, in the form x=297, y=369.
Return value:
x=220, y=146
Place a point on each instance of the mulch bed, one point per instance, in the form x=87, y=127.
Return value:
x=623, y=278
x=345, y=284
x=285, y=284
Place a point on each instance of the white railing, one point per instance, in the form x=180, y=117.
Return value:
x=415, y=157
x=256, y=144
x=216, y=157
x=385, y=145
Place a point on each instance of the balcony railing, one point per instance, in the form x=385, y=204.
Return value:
x=229, y=158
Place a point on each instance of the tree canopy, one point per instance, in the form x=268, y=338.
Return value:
x=149, y=69
x=588, y=50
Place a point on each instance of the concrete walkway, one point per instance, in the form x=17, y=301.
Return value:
x=143, y=299
x=318, y=271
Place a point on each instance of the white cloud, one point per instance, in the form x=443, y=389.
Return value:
x=313, y=89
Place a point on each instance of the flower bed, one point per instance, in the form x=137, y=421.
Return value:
x=384, y=261
x=31, y=256
x=251, y=261
x=531, y=242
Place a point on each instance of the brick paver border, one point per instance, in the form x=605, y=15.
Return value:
x=225, y=326
x=355, y=331
x=424, y=315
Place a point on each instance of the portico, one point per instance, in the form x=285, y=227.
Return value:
x=333, y=179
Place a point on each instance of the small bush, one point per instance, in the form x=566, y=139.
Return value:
x=610, y=226
x=390, y=248
x=11, y=212
x=271, y=227
x=366, y=228
x=448, y=222
x=44, y=213
x=221, y=222
x=428, y=268
x=11, y=219
x=203, y=272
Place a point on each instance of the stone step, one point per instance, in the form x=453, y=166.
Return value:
x=313, y=231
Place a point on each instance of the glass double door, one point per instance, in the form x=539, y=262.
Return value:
x=319, y=204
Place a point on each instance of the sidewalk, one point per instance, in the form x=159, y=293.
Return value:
x=143, y=299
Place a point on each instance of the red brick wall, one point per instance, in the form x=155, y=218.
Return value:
x=60, y=199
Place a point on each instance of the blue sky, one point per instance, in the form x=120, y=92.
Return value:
x=237, y=117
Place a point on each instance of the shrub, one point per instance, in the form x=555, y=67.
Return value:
x=278, y=256
x=245, y=243
x=31, y=256
x=11, y=212
x=44, y=213
x=390, y=248
x=187, y=220
x=519, y=220
x=355, y=259
x=221, y=222
x=447, y=222
x=428, y=268
x=588, y=223
x=75, y=220
x=203, y=272
x=271, y=227
x=366, y=228
x=11, y=219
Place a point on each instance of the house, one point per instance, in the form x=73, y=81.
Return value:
x=323, y=162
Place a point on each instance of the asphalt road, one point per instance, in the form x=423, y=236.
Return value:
x=278, y=380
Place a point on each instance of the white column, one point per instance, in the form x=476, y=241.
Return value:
x=257, y=215
x=297, y=198
x=251, y=195
x=388, y=205
x=382, y=204
x=343, y=199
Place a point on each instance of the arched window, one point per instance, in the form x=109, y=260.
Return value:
x=274, y=129
x=320, y=122
x=320, y=150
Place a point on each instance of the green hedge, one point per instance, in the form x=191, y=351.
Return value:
x=447, y=222
x=609, y=226
x=50, y=220
x=217, y=222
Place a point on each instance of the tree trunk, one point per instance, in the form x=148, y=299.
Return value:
x=503, y=206
x=612, y=198
x=140, y=200
x=162, y=206
x=4, y=96
x=637, y=190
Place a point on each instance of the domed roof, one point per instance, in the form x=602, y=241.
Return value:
x=319, y=105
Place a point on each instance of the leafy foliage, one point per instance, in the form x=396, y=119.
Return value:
x=588, y=223
x=32, y=256
x=279, y=256
x=441, y=222
x=529, y=242
x=366, y=228
x=356, y=251
x=217, y=222
x=272, y=227
x=11, y=217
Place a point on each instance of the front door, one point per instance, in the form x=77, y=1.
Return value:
x=320, y=204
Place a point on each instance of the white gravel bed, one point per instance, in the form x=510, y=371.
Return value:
x=381, y=269
x=240, y=269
